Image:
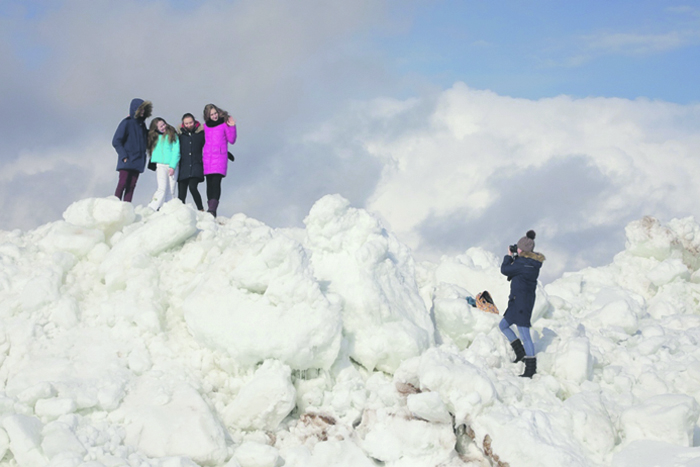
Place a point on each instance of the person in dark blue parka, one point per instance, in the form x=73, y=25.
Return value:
x=130, y=142
x=522, y=271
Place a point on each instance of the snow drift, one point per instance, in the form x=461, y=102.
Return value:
x=173, y=339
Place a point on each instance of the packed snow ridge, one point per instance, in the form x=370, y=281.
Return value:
x=173, y=339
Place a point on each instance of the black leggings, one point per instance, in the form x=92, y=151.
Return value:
x=192, y=183
x=214, y=186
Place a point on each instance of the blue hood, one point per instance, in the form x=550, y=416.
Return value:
x=140, y=108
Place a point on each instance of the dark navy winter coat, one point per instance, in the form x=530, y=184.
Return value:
x=522, y=272
x=131, y=135
x=191, y=144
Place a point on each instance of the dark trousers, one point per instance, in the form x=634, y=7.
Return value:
x=214, y=186
x=190, y=183
x=126, y=184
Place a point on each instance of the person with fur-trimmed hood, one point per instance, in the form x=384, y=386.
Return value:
x=164, y=148
x=191, y=172
x=219, y=132
x=522, y=270
x=130, y=142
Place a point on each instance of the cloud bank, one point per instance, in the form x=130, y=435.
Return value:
x=73, y=68
x=469, y=167
x=446, y=168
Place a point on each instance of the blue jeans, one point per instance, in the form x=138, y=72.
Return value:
x=524, y=336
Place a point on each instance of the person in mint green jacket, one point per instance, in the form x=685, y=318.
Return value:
x=164, y=149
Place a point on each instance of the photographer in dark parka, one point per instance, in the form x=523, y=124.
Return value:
x=522, y=267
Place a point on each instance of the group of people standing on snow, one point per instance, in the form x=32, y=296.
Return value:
x=182, y=158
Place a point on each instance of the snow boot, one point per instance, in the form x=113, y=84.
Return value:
x=530, y=367
x=519, y=350
x=213, y=204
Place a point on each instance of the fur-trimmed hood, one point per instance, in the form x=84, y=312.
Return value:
x=140, y=108
x=198, y=128
x=533, y=255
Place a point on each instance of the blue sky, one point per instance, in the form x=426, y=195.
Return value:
x=432, y=114
x=529, y=49
x=538, y=49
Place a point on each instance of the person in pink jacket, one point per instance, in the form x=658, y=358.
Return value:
x=219, y=132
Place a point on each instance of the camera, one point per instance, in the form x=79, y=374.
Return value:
x=513, y=249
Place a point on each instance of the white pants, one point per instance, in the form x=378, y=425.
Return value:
x=166, y=186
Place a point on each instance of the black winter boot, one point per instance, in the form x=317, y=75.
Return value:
x=518, y=349
x=213, y=204
x=530, y=367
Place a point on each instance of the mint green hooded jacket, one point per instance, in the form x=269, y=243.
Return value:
x=166, y=152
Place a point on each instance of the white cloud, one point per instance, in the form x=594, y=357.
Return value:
x=448, y=170
x=680, y=30
x=271, y=64
x=685, y=10
x=236, y=52
x=639, y=44
x=472, y=167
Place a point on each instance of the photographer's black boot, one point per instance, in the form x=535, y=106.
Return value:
x=530, y=367
x=518, y=349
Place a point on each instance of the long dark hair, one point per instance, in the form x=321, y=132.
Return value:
x=223, y=115
x=153, y=133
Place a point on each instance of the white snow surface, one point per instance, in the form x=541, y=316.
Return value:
x=173, y=339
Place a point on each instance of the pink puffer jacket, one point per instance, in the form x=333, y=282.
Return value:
x=215, y=151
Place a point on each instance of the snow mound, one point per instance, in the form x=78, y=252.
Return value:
x=173, y=339
x=257, y=299
x=384, y=319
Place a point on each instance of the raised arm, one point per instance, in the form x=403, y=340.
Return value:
x=231, y=132
x=508, y=268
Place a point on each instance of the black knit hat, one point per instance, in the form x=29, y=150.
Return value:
x=527, y=243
